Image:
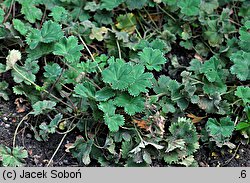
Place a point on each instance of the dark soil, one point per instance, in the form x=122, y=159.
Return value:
x=41, y=152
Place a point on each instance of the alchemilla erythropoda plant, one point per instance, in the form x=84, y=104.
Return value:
x=133, y=78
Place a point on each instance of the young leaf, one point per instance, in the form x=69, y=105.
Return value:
x=12, y=58
x=119, y=75
x=153, y=59
x=69, y=48
x=42, y=107
x=131, y=104
x=12, y=158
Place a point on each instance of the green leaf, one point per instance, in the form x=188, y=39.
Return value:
x=243, y=125
x=189, y=7
x=29, y=70
x=89, y=66
x=131, y=4
x=118, y=74
x=243, y=93
x=209, y=5
x=153, y=59
x=1, y=15
x=51, y=31
x=42, y=107
x=51, y=128
x=98, y=33
x=29, y=9
x=245, y=36
x=126, y=23
x=104, y=94
x=4, y=86
x=212, y=69
x=59, y=14
x=131, y=104
x=114, y=121
x=142, y=81
x=241, y=65
x=82, y=150
x=167, y=105
x=85, y=89
x=92, y=6
x=212, y=34
x=126, y=148
x=20, y=26
x=103, y=17
x=110, y=5
x=220, y=130
x=195, y=66
x=217, y=86
x=107, y=108
x=69, y=48
x=52, y=71
x=12, y=158
x=40, y=50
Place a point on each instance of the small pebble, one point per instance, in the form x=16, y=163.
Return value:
x=65, y=161
x=7, y=125
x=5, y=118
x=29, y=135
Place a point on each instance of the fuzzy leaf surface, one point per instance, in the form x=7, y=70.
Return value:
x=131, y=104
x=119, y=75
x=142, y=81
x=241, y=67
x=153, y=59
x=243, y=93
x=69, y=48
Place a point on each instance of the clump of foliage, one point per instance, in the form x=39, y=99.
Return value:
x=121, y=71
x=182, y=143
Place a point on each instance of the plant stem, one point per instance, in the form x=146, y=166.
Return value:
x=166, y=12
x=37, y=86
x=119, y=49
x=19, y=124
x=87, y=48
